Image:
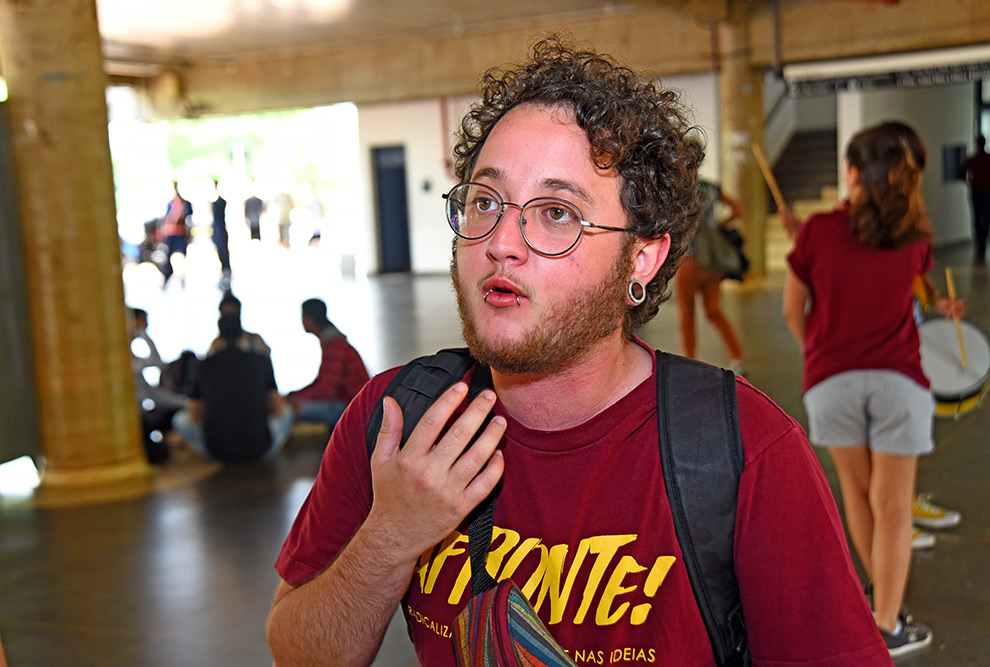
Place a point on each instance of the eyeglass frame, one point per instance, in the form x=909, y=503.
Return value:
x=583, y=224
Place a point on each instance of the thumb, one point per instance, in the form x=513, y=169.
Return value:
x=390, y=434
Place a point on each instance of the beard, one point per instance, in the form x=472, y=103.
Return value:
x=565, y=332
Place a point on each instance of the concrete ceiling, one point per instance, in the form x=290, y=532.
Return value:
x=205, y=31
x=221, y=56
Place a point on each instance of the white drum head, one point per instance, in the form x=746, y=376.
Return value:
x=942, y=363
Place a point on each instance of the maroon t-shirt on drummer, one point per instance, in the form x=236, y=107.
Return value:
x=862, y=313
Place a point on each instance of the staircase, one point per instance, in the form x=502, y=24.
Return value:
x=809, y=163
x=807, y=174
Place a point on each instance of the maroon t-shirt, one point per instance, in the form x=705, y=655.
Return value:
x=583, y=527
x=862, y=313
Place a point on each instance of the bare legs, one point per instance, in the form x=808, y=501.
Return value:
x=687, y=287
x=876, y=493
x=691, y=279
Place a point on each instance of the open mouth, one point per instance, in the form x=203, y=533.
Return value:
x=501, y=296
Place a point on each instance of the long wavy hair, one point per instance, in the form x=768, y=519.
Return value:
x=633, y=125
x=887, y=211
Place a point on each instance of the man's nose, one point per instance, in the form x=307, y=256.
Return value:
x=507, y=239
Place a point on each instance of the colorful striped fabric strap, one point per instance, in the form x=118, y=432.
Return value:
x=499, y=628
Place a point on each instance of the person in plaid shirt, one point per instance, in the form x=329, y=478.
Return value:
x=341, y=375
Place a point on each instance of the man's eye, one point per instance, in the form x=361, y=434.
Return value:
x=484, y=205
x=558, y=215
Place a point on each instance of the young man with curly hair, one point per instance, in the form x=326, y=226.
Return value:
x=578, y=196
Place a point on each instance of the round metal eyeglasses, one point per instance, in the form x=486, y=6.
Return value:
x=549, y=225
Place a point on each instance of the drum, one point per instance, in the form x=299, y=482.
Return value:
x=957, y=390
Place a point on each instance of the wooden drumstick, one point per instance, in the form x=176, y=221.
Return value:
x=768, y=176
x=950, y=286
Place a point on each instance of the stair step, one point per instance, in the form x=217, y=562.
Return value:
x=807, y=165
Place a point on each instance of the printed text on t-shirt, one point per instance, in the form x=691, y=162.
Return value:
x=604, y=587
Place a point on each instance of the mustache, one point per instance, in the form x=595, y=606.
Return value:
x=520, y=286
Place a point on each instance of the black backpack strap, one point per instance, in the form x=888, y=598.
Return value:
x=417, y=385
x=480, y=528
x=702, y=458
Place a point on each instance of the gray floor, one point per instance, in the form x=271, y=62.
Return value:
x=183, y=575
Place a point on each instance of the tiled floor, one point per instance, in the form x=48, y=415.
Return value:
x=183, y=575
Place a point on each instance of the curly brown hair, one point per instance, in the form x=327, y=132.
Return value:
x=632, y=124
x=886, y=211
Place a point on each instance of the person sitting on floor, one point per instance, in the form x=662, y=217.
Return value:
x=234, y=413
x=341, y=376
x=157, y=403
x=247, y=341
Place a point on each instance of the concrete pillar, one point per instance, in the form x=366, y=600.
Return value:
x=50, y=53
x=741, y=108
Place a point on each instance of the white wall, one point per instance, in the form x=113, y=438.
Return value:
x=943, y=116
x=816, y=112
x=699, y=92
x=417, y=127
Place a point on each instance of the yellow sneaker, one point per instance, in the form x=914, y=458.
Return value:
x=929, y=515
x=922, y=539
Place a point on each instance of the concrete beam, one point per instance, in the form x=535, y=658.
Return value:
x=654, y=40
x=659, y=38
x=831, y=30
x=706, y=10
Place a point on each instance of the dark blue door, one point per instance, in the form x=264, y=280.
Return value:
x=390, y=205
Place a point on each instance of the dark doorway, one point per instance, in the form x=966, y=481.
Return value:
x=390, y=208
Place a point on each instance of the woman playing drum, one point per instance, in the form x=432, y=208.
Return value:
x=848, y=302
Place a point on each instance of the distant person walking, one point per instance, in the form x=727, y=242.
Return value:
x=253, y=208
x=976, y=171
x=342, y=372
x=283, y=207
x=694, y=278
x=220, y=239
x=175, y=228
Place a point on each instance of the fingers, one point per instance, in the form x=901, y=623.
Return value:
x=390, y=434
x=464, y=429
x=426, y=440
x=433, y=421
x=460, y=453
x=950, y=307
x=481, y=466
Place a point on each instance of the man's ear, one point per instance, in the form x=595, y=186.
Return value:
x=648, y=256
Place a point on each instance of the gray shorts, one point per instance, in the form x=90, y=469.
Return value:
x=885, y=410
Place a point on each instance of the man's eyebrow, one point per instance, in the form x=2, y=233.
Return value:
x=493, y=173
x=551, y=184
x=558, y=184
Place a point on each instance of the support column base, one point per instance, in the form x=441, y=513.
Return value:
x=61, y=487
x=129, y=471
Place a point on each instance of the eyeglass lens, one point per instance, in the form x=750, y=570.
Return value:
x=549, y=225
